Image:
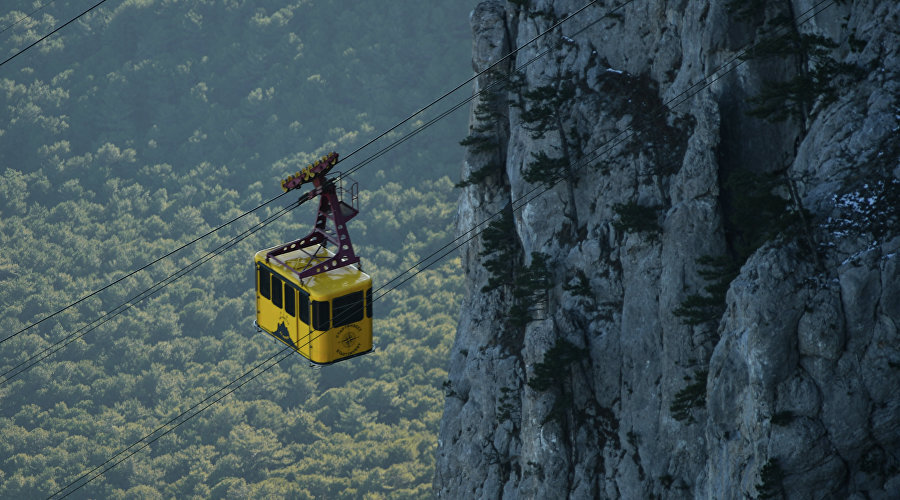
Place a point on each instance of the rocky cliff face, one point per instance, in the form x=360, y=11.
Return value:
x=705, y=301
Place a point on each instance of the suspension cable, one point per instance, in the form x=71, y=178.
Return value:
x=145, y=266
x=489, y=68
x=721, y=71
x=497, y=82
x=145, y=294
x=48, y=35
x=29, y=15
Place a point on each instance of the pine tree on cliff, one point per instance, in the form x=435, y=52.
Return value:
x=543, y=111
x=484, y=138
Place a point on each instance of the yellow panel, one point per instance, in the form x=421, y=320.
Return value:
x=342, y=342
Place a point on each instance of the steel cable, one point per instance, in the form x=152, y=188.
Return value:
x=27, y=16
x=55, y=347
x=48, y=35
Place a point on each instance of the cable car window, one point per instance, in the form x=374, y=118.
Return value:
x=304, y=306
x=369, y=303
x=348, y=309
x=276, y=291
x=289, y=300
x=264, y=282
x=321, y=315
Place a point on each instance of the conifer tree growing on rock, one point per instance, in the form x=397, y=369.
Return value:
x=487, y=128
x=543, y=112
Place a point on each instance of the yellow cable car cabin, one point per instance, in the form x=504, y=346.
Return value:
x=326, y=318
x=317, y=301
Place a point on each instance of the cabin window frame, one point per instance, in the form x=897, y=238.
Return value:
x=292, y=292
x=354, y=308
x=303, y=306
x=318, y=322
x=277, y=299
x=266, y=291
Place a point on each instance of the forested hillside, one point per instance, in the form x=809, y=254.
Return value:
x=146, y=124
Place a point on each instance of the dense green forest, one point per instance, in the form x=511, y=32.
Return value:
x=147, y=123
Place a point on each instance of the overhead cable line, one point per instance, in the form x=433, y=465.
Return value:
x=463, y=84
x=364, y=162
x=174, y=422
x=145, y=266
x=721, y=71
x=145, y=294
x=26, y=16
x=48, y=35
x=498, y=81
x=521, y=201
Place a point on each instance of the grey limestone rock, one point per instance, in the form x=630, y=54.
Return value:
x=785, y=386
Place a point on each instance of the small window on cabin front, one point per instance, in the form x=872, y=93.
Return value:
x=321, y=315
x=348, y=309
x=264, y=289
x=369, y=303
x=304, y=306
x=289, y=300
x=276, y=291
